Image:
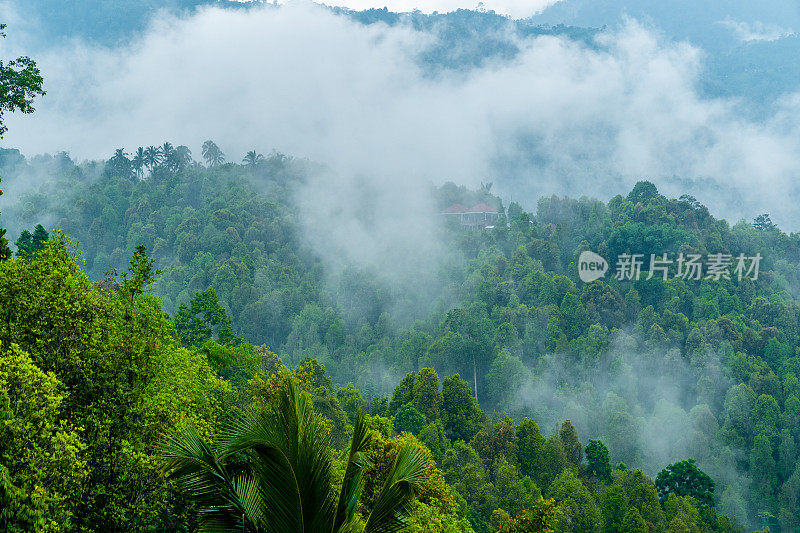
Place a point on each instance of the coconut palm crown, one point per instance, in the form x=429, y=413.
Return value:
x=273, y=470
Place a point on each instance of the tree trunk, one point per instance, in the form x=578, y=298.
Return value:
x=475, y=379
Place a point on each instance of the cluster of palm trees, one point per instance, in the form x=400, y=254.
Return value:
x=215, y=157
x=274, y=471
x=171, y=159
x=167, y=157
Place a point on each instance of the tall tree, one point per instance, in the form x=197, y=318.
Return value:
x=183, y=158
x=212, y=154
x=197, y=322
x=119, y=165
x=152, y=157
x=20, y=82
x=530, y=448
x=572, y=446
x=685, y=479
x=29, y=244
x=252, y=159
x=168, y=155
x=138, y=162
x=461, y=415
x=427, y=395
x=599, y=464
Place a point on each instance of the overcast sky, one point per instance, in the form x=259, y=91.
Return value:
x=514, y=8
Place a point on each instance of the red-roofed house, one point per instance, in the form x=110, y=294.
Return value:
x=479, y=216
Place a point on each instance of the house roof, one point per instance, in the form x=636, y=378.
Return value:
x=456, y=208
x=482, y=208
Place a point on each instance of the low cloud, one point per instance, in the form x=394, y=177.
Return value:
x=651, y=406
x=561, y=117
x=757, y=31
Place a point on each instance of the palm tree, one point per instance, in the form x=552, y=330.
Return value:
x=152, y=157
x=252, y=159
x=138, y=162
x=212, y=154
x=273, y=471
x=168, y=156
x=183, y=157
x=119, y=164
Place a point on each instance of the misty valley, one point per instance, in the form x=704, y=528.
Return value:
x=461, y=271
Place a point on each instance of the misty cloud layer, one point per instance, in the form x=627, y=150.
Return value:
x=656, y=406
x=560, y=118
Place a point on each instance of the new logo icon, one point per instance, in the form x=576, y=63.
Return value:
x=591, y=266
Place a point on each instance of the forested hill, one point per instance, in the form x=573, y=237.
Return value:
x=659, y=370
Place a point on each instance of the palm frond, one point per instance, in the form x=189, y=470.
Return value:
x=391, y=510
x=192, y=464
x=357, y=461
x=288, y=451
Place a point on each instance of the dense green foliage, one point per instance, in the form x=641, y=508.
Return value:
x=714, y=361
x=94, y=377
x=115, y=416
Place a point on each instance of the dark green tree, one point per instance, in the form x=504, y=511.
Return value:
x=403, y=393
x=119, y=165
x=642, y=192
x=530, y=448
x=763, y=223
x=29, y=243
x=597, y=459
x=685, y=479
x=427, y=395
x=572, y=445
x=408, y=418
x=461, y=414
x=202, y=318
x=138, y=162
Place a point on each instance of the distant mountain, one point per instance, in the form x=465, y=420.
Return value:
x=758, y=71
x=708, y=23
x=752, y=46
x=99, y=21
x=466, y=38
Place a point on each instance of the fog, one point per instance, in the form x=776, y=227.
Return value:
x=559, y=118
x=655, y=405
